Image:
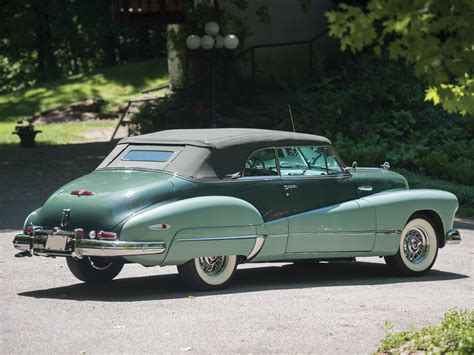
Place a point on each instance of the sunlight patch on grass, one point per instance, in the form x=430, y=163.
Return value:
x=116, y=85
x=64, y=133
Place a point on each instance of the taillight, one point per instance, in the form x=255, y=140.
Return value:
x=81, y=193
x=106, y=235
x=78, y=233
x=29, y=230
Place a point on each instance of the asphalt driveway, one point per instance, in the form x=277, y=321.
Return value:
x=324, y=308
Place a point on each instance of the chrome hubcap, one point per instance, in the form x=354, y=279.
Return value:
x=213, y=265
x=416, y=245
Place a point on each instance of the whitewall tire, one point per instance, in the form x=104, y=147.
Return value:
x=418, y=248
x=208, y=273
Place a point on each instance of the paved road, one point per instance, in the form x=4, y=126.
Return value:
x=325, y=308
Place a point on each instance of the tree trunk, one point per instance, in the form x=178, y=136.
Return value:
x=46, y=61
x=109, y=50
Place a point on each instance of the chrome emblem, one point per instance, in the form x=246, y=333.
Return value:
x=65, y=218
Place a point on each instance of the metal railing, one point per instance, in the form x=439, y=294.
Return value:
x=309, y=43
x=124, y=119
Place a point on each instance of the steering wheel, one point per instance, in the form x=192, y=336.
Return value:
x=315, y=159
x=255, y=163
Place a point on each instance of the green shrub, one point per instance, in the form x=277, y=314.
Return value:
x=465, y=194
x=454, y=335
x=374, y=111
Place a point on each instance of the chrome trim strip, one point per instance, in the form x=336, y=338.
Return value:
x=305, y=177
x=339, y=232
x=389, y=231
x=251, y=236
x=93, y=247
x=257, y=247
x=276, y=235
x=453, y=237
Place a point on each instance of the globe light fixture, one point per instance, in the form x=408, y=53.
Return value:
x=193, y=42
x=207, y=42
x=211, y=28
x=231, y=42
x=211, y=41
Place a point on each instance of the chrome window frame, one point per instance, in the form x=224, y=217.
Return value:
x=277, y=165
x=326, y=147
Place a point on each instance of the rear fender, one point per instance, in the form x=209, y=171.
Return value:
x=199, y=226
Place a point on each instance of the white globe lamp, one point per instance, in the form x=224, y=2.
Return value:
x=193, y=42
x=211, y=28
x=207, y=42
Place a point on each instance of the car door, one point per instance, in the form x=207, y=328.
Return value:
x=323, y=211
x=260, y=185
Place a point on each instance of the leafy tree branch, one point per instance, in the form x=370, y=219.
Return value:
x=436, y=37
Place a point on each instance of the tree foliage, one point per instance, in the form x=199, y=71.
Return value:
x=43, y=39
x=436, y=37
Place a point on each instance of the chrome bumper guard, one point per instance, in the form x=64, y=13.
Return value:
x=453, y=237
x=78, y=247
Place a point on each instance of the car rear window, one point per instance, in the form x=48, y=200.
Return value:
x=142, y=156
x=148, y=155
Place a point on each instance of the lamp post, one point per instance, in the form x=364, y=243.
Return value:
x=212, y=40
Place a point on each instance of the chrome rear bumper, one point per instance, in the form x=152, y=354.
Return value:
x=453, y=237
x=36, y=245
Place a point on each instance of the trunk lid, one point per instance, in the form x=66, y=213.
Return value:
x=116, y=195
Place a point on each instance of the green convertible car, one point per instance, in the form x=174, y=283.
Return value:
x=209, y=199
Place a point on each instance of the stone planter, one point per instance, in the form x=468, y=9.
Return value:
x=27, y=137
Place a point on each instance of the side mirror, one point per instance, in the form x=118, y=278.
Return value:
x=385, y=165
x=354, y=165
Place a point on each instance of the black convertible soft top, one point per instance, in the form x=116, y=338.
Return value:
x=220, y=138
x=217, y=152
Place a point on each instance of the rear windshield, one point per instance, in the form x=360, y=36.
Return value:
x=148, y=155
x=142, y=156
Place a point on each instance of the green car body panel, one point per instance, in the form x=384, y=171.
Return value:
x=357, y=212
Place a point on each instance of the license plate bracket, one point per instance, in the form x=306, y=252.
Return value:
x=56, y=242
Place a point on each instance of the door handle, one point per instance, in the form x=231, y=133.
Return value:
x=365, y=188
x=290, y=187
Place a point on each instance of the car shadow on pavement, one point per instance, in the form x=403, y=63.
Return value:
x=281, y=277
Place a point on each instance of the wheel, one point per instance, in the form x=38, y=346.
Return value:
x=94, y=269
x=418, y=249
x=208, y=273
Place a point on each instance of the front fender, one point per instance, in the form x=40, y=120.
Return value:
x=190, y=222
x=394, y=208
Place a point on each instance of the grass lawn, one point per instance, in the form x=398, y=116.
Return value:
x=63, y=133
x=116, y=85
